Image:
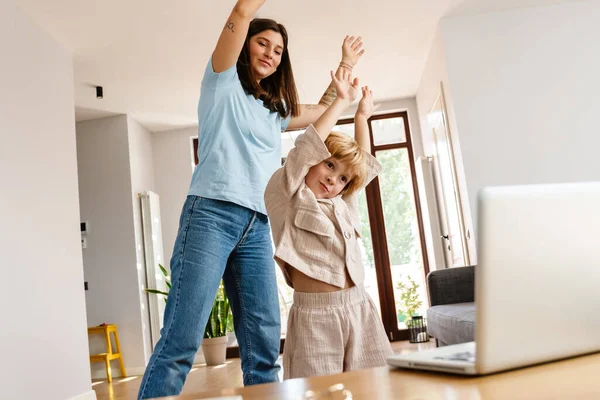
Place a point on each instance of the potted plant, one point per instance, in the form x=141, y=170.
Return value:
x=409, y=299
x=214, y=344
x=220, y=322
x=408, y=305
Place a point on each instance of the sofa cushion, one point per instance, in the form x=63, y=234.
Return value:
x=452, y=323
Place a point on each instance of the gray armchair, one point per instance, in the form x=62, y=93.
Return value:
x=451, y=318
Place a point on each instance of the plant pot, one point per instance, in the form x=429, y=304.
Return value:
x=215, y=350
x=417, y=330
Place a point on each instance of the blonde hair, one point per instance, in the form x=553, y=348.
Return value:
x=345, y=149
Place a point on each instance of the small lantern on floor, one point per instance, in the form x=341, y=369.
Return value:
x=417, y=329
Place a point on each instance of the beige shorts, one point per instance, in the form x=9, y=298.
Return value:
x=329, y=333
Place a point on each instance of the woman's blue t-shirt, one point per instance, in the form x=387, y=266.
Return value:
x=239, y=142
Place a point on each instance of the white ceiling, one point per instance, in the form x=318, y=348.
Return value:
x=150, y=55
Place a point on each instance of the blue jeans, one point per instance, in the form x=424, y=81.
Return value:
x=218, y=239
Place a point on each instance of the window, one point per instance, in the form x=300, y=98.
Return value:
x=394, y=253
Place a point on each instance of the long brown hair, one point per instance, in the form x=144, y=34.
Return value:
x=277, y=91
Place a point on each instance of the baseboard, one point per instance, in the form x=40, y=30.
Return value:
x=91, y=395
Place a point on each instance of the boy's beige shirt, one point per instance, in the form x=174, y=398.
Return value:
x=317, y=237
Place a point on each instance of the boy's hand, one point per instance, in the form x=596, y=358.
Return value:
x=365, y=106
x=352, y=50
x=346, y=88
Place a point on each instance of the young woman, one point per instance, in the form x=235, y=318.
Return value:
x=248, y=98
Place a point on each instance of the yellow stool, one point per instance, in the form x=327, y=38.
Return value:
x=106, y=358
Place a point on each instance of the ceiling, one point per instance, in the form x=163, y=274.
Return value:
x=150, y=55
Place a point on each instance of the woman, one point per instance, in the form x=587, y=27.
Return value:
x=248, y=98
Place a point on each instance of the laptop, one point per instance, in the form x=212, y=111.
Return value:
x=537, y=282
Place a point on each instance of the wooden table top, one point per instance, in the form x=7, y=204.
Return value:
x=572, y=379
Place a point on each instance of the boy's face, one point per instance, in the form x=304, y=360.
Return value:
x=328, y=178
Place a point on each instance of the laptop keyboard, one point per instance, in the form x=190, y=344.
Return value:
x=467, y=356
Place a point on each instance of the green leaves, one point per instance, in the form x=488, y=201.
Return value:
x=167, y=277
x=220, y=319
x=167, y=281
x=409, y=298
x=157, y=292
x=164, y=271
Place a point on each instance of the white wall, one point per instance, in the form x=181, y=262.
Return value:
x=44, y=343
x=110, y=263
x=173, y=167
x=525, y=85
x=142, y=179
x=434, y=76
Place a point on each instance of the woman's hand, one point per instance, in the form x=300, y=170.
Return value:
x=365, y=106
x=352, y=50
x=346, y=88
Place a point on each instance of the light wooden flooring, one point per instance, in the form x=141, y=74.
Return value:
x=203, y=378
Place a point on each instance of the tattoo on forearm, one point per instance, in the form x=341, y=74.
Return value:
x=329, y=96
x=312, y=106
x=230, y=25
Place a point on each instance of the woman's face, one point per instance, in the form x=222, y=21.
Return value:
x=266, y=49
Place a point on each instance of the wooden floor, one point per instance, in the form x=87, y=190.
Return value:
x=203, y=378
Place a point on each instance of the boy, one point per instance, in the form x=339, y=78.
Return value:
x=333, y=325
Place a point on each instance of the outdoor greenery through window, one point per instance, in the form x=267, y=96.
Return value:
x=397, y=192
x=402, y=234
